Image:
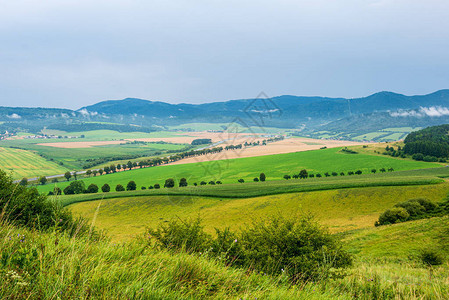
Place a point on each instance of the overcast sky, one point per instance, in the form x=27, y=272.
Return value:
x=72, y=53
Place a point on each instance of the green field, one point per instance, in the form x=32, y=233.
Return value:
x=76, y=158
x=23, y=163
x=274, y=166
x=341, y=210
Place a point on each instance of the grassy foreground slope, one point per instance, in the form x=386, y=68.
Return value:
x=274, y=166
x=22, y=163
x=341, y=210
x=54, y=266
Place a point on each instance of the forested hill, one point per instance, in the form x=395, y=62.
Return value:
x=433, y=141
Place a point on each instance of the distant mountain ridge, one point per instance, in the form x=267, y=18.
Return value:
x=338, y=117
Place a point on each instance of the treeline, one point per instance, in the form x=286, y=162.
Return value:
x=201, y=142
x=432, y=141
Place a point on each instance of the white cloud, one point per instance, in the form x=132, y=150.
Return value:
x=14, y=116
x=433, y=111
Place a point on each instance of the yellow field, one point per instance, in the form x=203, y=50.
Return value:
x=340, y=210
x=22, y=163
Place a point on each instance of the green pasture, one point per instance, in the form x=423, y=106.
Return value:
x=75, y=158
x=274, y=167
x=22, y=163
x=339, y=209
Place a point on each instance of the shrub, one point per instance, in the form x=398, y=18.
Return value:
x=57, y=191
x=23, y=206
x=92, y=188
x=358, y=172
x=157, y=186
x=417, y=156
x=413, y=207
x=241, y=180
x=119, y=188
x=256, y=179
x=218, y=182
x=287, y=177
x=429, y=158
x=297, y=246
x=203, y=182
x=334, y=174
x=392, y=216
x=151, y=187
x=262, y=177
x=105, y=188
x=431, y=258
x=143, y=188
x=318, y=175
x=188, y=235
x=212, y=182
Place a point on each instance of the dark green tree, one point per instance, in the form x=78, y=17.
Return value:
x=119, y=188
x=183, y=182
x=169, y=183
x=262, y=177
x=68, y=175
x=43, y=180
x=105, y=188
x=23, y=182
x=92, y=188
x=131, y=186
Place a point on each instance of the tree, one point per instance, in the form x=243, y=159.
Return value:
x=131, y=186
x=75, y=187
x=334, y=174
x=311, y=175
x=113, y=168
x=390, y=169
x=95, y=172
x=23, y=182
x=89, y=172
x=119, y=188
x=169, y=183
x=241, y=180
x=129, y=165
x=262, y=177
x=303, y=174
x=43, y=180
x=342, y=173
x=157, y=186
x=107, y=170
x=382, y=170
x=143, y=188
x=373, y=171
x=75, y=175
x=183, y=182
x=287, y=177
x=203, y=182
x=218, y=182
x=358, y=172
x=100, y=171
x=256, y=179
x=318, y=175
x=92, y=189
x=327, y=174
x=105, y=188
x=68, y=175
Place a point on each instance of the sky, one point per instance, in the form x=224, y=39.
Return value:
x=73, y=53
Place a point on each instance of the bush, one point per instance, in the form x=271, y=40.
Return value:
x=392, y=216
x=188, y=236
x=143, y=188
x=218, y=182
x=183, y=182
x=262, y=177
x=105, y=188
x=23, y=206
x=203, y=182
x=417, y=156
x=298, y=247
x=119, y=188
x=431, y=258
x=413, y=207
x=92, y=188
x=131, y=186
x=241, y=180
x=212, y=182
x=157, y=186
x=256, y=179
x=429, y=158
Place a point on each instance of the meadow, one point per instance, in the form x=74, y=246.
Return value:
x=339, y=209
x=274, y=167
x=22, y=163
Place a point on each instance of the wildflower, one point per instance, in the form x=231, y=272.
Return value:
x=235, y=241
